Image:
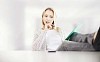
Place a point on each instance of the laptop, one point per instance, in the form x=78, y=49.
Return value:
x=70, y=35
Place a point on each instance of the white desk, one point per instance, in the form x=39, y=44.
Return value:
x=41, y=56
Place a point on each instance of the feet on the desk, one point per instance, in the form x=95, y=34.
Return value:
x=96, y=42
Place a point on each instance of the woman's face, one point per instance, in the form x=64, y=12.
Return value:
x=48, y=17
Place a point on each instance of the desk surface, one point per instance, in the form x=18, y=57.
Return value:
x=44, y=56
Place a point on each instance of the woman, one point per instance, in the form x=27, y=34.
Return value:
x=50, y=37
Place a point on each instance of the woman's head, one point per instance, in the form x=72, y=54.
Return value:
x=48, y=17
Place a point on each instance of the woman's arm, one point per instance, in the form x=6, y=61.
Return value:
x=39, y=41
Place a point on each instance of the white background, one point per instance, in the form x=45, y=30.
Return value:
x=20, y=19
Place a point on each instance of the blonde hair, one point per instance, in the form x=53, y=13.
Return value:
x=43, y=25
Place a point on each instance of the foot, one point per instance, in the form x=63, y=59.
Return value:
x=96, y=42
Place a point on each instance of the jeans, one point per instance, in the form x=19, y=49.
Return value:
x=78, y=42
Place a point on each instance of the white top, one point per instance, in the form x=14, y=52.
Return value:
x=47, y=40
x=53, y=40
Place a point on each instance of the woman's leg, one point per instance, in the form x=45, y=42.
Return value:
x=75, y=46
x=83, y=38
x=78, y=42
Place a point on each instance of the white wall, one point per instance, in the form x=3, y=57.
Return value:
x=19, y=19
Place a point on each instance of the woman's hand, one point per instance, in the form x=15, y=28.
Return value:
x=48, y=26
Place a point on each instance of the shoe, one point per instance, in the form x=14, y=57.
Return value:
x=96, y=43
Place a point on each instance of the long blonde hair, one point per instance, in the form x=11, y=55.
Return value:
x=53, y=24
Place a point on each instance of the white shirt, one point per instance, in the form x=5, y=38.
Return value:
x=53, y=40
